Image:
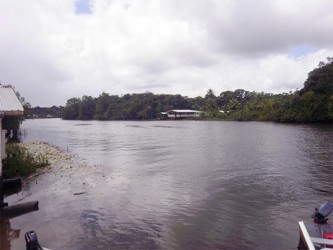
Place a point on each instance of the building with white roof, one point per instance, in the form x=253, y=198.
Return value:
x=180, y=114
x=9, y=103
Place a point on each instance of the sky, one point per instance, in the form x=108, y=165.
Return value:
x=53, y=50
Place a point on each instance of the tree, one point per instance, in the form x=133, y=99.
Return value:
x=71, y=111
x=86, y=108
x=313, y=103
x=224, y=98
x=102, y=104
x=210, y=94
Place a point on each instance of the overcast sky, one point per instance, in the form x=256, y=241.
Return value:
x=52, y=50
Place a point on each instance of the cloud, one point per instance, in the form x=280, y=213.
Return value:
x=52, y=51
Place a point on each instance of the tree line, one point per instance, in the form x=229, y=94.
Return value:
x=313, y=103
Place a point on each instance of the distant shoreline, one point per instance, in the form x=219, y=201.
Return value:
x=194, y=119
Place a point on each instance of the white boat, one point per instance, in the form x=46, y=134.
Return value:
x=319, y=233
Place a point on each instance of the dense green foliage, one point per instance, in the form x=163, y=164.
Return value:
x=130, y=106
x=46, y=112
x=313, y=103
x=12, y=122
x=23, y=163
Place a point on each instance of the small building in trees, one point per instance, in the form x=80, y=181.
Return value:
x=180, y=114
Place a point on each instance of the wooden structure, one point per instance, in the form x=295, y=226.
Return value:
x=10, y=106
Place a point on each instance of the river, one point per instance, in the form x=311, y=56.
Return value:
x=180, y=184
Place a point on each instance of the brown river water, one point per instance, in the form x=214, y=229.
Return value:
x=175, y=185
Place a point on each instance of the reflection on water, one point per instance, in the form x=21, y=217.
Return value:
x=179, y=184
x=99, y=232
x=8, y=234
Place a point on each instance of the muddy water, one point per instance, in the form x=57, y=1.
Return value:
x=175, y=185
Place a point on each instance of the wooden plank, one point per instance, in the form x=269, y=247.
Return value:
x=13, y=113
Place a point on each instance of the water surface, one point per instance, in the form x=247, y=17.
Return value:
x=178, y=184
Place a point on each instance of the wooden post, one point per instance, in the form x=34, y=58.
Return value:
x=1, y=185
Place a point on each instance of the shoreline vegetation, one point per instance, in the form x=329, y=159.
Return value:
x=312, y=104
x=67, y=172
x=26, y=160
x=34, y=158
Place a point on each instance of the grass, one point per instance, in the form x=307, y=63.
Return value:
x=23, y=163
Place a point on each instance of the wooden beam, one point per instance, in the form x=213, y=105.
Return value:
x=12, y=113
x=19, y=209
x=11, y=183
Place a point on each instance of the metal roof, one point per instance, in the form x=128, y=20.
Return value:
x=184, y=111
x=9, y=103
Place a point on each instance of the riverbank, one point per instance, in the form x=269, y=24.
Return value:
x=60, y=160
x=55, y=156
x=66, y=173
x=43, y=158
x=33, y=158
x=64, y=189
